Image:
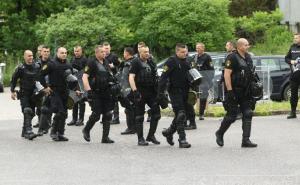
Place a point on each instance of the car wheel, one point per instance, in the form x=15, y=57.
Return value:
x=287, y=93
x=1, y=87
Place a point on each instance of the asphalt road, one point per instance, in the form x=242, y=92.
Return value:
x=276, y=161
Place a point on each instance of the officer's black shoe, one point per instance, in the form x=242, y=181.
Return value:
x=53, y=134
x=115, y=121
x=219, y=139
x=191, y=127
x=62, y=138
x=292, y=115
x=201, y=117
x=30, y=135
x=184, y=144
x=79, y=122
x=37, y=125
x=127, y=132
x=45, y=131
x=168, y=136
x=152, y=139
x=72, y=123
x=107, y=140
x=248, y=144
x=40, y=132
x=142, y=142
x=86, y=135
x=59, y=137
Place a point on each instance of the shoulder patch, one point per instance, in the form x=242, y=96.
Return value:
x=86, y=68
x=45, y=67
x=165, y=68
x=228, y=63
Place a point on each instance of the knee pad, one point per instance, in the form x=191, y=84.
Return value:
x=107, y=116
x=28, y=110
x=139, y=119
x=247, y=114
x=181, y=116
x=44, y=110
x=95, y=117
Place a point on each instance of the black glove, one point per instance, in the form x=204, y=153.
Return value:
x=230, y=96
x=136, y=96
x=90, y=95
x=163, y=100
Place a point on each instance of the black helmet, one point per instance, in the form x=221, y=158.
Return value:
x=257, y=90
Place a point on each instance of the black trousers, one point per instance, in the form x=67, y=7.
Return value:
x=180, y=107
x=246, y=106
x=58, y=106
x=149, y=98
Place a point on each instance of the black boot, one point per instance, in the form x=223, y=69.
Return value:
x=152, y=130
x=246, y=126
x=183, y=143
x=61, y=127
x=81, y=114
x=88, y=127
x=219, y=139
x=168, y=133
x=28, y=115
x=292, y=115
x=202, y=108
x=192, y=125
x=106, y=128
x=139, y=130
x=130, y=123
x=225, y=124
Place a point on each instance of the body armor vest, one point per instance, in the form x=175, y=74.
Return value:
x=242, y=77
x=145, y=77
x=30, y=74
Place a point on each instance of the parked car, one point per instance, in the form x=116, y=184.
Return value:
x=272, y=70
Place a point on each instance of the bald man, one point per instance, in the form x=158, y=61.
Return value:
x=28, y=74
x=57, y=71
x=237, y=74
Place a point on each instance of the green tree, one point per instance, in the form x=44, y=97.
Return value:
x=188, y=21
x=84, y=26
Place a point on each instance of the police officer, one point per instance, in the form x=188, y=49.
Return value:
x=143, y=83
x=293, y=59
x=28, y=74
x=58, y=71
x=175, y=71
x=203, y=62
x=44, y=109
x=99, y=93
x=237, y=75
x=114, y=62
x=125, y=102
x=78, y=62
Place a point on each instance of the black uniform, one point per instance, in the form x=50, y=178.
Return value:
x=43, y=111
x=124, y=100
x=204, y=65
x=78, y=64
x=101, y=98
x=57, y=72
x=113, y=59
x=146, y=83
x=293, y=54
x=240, y=96
x=28, y=76
x=175, y=72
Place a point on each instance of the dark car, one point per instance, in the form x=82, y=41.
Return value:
x=272, y=70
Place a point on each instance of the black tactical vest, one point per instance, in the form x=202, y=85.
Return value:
x=30, y=74
x=241, y=78
x=103, y=77
x=145, y=77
